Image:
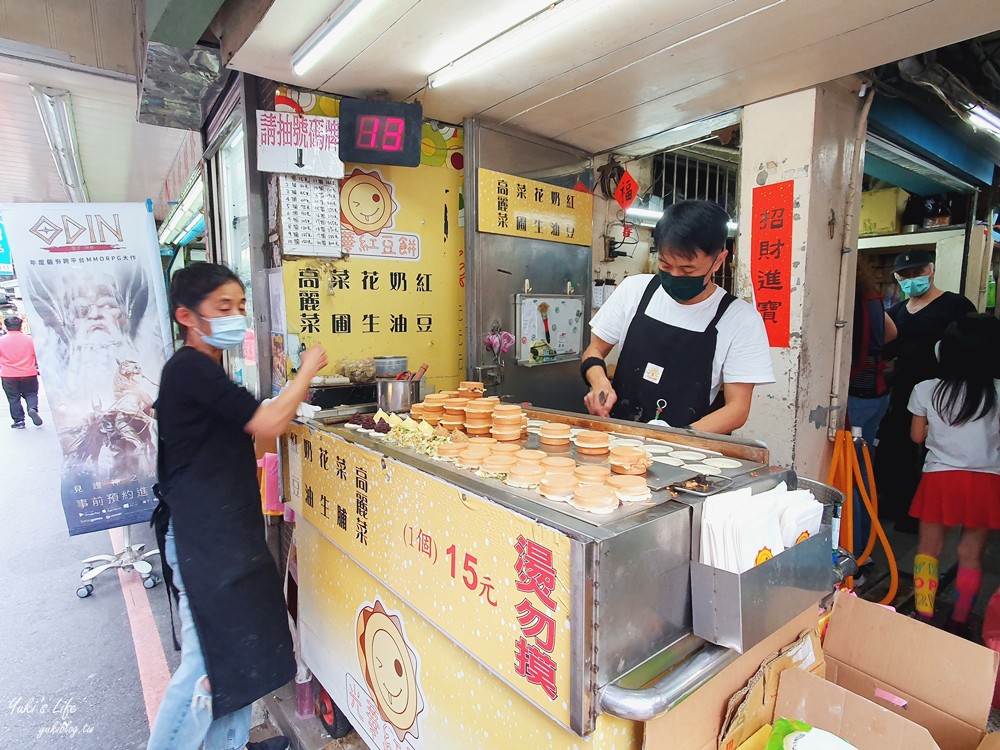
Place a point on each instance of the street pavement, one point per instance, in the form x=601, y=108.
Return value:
x=69, y=678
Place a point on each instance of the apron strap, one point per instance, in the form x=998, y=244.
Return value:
x=647, y=295
x=727, y=300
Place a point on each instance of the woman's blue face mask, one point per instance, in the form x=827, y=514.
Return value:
x=227, y=332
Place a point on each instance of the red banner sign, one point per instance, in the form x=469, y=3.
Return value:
x=771, y=258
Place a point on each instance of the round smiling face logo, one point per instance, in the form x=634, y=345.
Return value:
x=366, y=203
x=390, y=669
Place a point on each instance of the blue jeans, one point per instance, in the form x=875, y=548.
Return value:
x=866, y=413
x=184, y=721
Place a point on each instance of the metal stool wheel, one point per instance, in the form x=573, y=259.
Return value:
x=84, y=591
x=333, y=719
x=151, y=581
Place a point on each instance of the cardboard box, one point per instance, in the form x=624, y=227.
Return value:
x=695, y=723
x=822, y=704
x=881, y=669
x=882, y=211
x=939, y=681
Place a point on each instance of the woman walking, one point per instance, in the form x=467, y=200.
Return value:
x=236, y=646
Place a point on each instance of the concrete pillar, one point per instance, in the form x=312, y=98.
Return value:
x=807, y=137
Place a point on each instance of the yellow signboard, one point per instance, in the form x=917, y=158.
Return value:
x=399, y=290
x=518, y=207
x=497, y=583
x=403, y=683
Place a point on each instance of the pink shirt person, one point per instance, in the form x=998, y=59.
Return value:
x=17, y=356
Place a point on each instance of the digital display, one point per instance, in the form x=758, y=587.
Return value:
x=380, y=132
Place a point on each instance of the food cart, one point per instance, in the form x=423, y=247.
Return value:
x=441, y=609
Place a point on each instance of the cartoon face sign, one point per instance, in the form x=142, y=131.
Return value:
x=390, y=668
x=366, y=203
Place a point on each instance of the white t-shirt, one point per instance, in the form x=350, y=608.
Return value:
x=742, y=353
x=973, y=446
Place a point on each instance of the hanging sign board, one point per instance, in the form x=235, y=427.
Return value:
x=771, y=258
x=93, y=290
x=299, y=144
x=518, y=207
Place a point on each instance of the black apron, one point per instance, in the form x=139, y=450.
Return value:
x=232, y=583
x=685, y=358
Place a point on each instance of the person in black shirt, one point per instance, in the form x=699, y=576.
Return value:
x=236, y=646
x=920, y=321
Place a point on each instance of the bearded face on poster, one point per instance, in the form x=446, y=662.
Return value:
x=101, y=344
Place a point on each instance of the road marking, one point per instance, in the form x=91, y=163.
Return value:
x=154, y=674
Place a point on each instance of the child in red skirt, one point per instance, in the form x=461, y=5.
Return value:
x=958, y=417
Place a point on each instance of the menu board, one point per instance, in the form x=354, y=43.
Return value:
x=307, y=206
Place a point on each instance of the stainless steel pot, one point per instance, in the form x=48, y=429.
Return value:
x=390, y=367
x=396, y=395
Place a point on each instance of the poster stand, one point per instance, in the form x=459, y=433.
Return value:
x=131, y=556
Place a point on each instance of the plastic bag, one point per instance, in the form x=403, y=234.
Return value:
x=359, y=370
x=789, y=734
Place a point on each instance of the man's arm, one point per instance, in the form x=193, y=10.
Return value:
x=733, y=415
x=598, y=380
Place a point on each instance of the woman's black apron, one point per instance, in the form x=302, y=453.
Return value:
x=231, y=581
x=661, y=361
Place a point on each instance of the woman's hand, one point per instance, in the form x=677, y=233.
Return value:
x=313, y=360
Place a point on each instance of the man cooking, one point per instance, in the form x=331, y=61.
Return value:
x=683, y=338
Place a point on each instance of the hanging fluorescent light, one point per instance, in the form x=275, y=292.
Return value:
x=181, y=215
x=55, y=109
x=338, y=25
x=644, y=217
x=643, y=214
x=985, y=119
x=547, y=19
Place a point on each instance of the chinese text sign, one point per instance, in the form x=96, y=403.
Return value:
x=518, y=207
x=771, y=258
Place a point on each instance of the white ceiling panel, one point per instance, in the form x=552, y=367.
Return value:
x=720, y=53
x=29, y=174
x=619, y=71
x=122, y=159
x=568, y=69
x=858, y=50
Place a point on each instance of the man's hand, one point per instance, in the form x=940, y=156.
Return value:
x=601, y=397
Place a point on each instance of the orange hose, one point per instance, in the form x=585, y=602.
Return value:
x=871, y=503
x=845, y=470
x=831, y=477
x=877, y=528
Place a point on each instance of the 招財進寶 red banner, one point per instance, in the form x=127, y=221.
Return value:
x=771, y=258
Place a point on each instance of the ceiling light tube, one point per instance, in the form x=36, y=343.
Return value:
x=984, y=118
x=644, y=213
x=338, y=25
x=181, y=212
x=55, y=109
x=524, y=31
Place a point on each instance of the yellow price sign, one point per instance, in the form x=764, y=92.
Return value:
x=496, y=582
x=519, y=207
